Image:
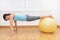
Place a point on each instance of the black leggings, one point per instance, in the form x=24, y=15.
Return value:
x=32, y=18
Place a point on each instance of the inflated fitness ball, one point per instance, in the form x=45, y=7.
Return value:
x=47, y=25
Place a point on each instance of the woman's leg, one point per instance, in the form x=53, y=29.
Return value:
x=46, y=16
x=32, y=18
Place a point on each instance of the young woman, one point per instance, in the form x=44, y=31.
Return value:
x=20, y=17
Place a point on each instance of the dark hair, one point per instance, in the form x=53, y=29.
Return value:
x=4, y=16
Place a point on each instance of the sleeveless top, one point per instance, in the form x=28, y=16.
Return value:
x=20, y=17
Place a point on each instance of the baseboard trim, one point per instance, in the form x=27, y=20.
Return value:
x=26, y=26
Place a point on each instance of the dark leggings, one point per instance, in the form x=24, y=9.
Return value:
x=32, y=18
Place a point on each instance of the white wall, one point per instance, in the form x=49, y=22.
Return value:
x=12, y=5
x=31, y=7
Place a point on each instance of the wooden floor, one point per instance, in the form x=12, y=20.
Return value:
x=28, y=34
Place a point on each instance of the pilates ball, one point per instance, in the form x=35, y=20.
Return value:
x=47, y=25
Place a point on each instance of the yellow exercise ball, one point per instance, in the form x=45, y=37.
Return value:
x=47, y=25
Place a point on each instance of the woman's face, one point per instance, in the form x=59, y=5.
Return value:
x=7, y=18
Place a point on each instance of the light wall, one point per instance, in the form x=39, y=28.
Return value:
x=30, y=7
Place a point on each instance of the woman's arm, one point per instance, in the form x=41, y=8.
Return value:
x=11, y=22
x=15, y=25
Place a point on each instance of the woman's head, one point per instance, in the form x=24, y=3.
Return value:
x=6, y=16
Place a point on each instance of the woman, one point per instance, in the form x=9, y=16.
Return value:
x=20, y=17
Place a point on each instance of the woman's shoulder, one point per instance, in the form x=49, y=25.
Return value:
x=12, y=14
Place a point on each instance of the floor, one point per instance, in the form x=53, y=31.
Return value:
x=28, y=34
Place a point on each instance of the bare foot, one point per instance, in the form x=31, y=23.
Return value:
x=50, y=16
